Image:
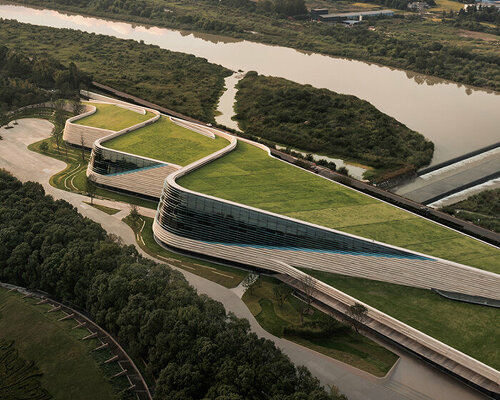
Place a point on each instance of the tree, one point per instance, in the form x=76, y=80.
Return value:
x=91, y=187
x=306, y=285
x=44, y=147
x=77, y=106
x=281, y=293
x=343, y=170
x=82, y=146
x=249, y=282
x=59, y=121
x=134, y=215
x=4, y=117
x=358, y=313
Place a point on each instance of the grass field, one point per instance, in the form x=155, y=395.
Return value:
x=349, y=347
x=467, y=327
x=249, y=176
x=225, y=276
x=167, y=141
x=70, y=369
x=110, y=116
x=447, y=5
x=19, y=378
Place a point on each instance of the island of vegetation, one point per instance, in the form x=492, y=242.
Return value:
x=322, y=121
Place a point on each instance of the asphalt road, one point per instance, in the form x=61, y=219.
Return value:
x=409, y=379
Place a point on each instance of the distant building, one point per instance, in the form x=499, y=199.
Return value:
x=350, y=22
x=355, y=15
x=483, y=4
x=417, y=6
x=316, y=12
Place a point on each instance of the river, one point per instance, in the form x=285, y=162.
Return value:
x=456, y=118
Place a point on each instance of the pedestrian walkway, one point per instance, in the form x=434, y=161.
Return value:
x=356, y=384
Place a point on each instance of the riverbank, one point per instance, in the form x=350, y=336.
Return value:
x=440, y=111
x=382, y=43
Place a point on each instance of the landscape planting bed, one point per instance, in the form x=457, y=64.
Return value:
x=466, y=327
x=69, y=370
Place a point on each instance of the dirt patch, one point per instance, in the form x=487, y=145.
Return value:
x=479, y=35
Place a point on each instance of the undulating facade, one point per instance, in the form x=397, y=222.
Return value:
x=230, y=232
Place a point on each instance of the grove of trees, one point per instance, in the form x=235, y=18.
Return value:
x=29, y=79
x=181, y=82
x=190, y=346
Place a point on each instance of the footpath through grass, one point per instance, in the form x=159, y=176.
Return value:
x=73, y=178
x=70, y=369
x=467, y=327
x=225, y=276
x=111, y=116
x=344, y=345
x=167, y=141
x=249, y=176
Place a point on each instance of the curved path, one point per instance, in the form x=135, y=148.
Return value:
x=410, y=378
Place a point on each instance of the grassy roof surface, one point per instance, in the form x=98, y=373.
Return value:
x=110, y=116
x=167, y=141
x=466, y=327
x=249, y=176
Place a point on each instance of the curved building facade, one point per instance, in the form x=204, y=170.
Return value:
x=200, y=224
x=228, y=231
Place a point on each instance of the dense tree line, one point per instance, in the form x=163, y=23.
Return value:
x=319, y=120
x=155, y=9
x=191, y=347
x=480, y=14
x=458, y=59
x=482, y=209
x=31, y=79
x=181, y=82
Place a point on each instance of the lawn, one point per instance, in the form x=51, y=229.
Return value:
x=228, y=277
x=346, y=346
x=69, y=367
x=110, y=116
x=249, y=176
x=447, y=5
x=167, y=141
x=469, y=328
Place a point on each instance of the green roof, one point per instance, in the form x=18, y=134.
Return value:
x=110, y=116
x=248, y=175
x=167, y=141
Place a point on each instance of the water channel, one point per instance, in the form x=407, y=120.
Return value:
x=456, y=118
